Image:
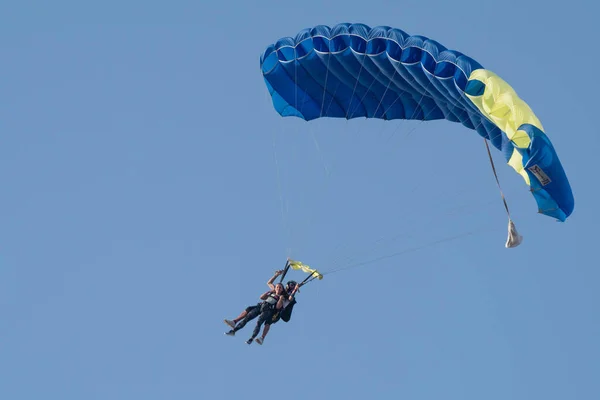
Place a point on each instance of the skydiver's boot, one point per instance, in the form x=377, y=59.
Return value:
x=230, y=323
x=249, y=341
x=259, y=340
x=230, y=333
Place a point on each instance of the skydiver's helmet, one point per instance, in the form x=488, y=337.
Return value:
x=290, y=285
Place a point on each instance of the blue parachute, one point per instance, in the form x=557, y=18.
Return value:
x=352, y=70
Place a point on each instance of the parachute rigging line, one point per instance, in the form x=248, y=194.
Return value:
x=402, y=252
x=496, y=176
x=284, y=221
x=514, y=238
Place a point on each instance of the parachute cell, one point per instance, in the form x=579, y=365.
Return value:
x=352, y=70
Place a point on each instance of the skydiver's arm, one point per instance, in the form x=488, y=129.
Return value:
x=279, y=304
x=270, y=282
x=291, y=296
x=264, y=295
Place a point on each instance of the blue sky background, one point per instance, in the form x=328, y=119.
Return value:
x=149, y=190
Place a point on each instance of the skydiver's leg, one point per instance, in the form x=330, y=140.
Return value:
x=266, y=330
x=264, y=316
x=264, y=333
x=252, y=313
x=241, y=316
x=232, y=323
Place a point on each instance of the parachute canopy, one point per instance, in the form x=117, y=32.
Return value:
x=352, y=70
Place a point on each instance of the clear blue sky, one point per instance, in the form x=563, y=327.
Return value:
x=141, y=205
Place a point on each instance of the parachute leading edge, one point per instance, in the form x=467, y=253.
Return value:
x=352, y=70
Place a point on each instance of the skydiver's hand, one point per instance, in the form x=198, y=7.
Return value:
x=278, y=272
